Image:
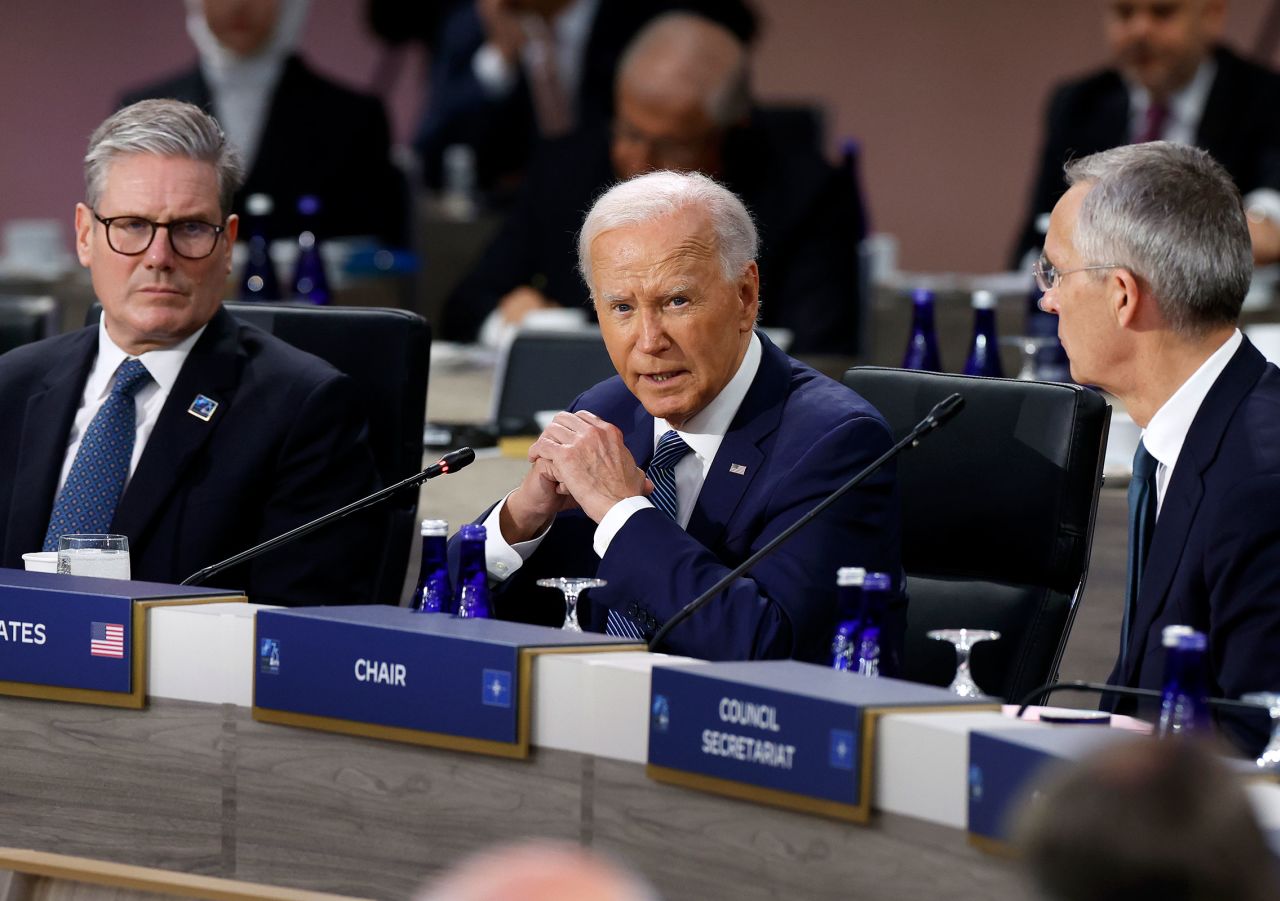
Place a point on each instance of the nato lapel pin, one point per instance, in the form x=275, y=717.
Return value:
x=737, y=469
x=202, y=407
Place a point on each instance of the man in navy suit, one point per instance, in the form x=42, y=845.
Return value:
x=231, y=436
x=1146, y=264
x=758, y=440
x=1171, y=81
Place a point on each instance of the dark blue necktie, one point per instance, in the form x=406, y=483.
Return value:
x=1142, y=523
x=88, y=498
x=662, y=472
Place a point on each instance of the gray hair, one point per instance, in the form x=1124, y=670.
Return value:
x=656, y=195
x=162, y=128
x=694, y=51
x=1171, y=215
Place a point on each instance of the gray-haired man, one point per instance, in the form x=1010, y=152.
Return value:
x=170, y=422
x=736, y=440
x=1146, y=264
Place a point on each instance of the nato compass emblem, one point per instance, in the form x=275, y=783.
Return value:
x=975, y=782
x=840, y=750
x=661, y=713
x=269, y=657
x=495, y=688
x=202, y=407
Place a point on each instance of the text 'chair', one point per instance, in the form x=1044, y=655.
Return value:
x=387, y=354
x=998, y=511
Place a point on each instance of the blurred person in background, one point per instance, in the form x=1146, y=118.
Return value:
x=683, y=103
x=1171, y=80
x=299, y=132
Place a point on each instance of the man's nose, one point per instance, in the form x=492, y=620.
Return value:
x=653, y=332
x=160, y=254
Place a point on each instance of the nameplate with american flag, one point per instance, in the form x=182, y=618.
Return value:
x=77, y=638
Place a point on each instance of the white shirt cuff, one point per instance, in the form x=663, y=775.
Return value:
x=502, y=559
x=613, y=521
x=492, y=70
x=1265, y=201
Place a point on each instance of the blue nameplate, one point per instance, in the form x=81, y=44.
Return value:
x=78, y=638
x=391, y=673
x=781, y=732
x=1006, y=765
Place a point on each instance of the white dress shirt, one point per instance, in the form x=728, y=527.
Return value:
x=1168, y=428
x=163, y=365
x=703, y=433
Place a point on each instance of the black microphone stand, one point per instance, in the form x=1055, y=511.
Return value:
x=941, y=412
x=450, y=462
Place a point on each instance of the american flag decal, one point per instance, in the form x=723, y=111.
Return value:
x=106, y=640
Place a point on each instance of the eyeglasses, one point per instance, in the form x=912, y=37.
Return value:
x=1048, y=276
x=189, y=238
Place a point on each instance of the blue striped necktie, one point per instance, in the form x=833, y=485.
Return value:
x=662, y=472
x=87, y=502
x=1142, y=523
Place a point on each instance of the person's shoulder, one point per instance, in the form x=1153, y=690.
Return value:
x=339, y=99
x=46, y=354
x=1083, y=92
x=1240, y=76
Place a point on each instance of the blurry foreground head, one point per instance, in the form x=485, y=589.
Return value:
x=538, y=871
x=1148, y=820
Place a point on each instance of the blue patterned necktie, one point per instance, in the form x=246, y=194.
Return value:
x=1142, y=523
x=662, y=472
x=87, y=502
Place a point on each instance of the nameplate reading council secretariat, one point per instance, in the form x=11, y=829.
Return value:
x=779, y=732
x=1006, y=766
x=76, y=638
x=425, y=678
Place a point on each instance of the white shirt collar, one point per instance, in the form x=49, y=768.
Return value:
x=1168, y=428
x=1186, y=107
x=163, y=364
x=704, y=431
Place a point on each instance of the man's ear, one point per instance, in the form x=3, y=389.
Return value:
x=749, y=295
x=1128, y=297
x=84, y=225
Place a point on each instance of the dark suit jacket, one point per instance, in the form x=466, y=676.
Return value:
x=1239, y=128
x=800, y=436
x=504, y=131
x=286, y=444
x=320, y=138
x=806, y=210
x=1214, y=562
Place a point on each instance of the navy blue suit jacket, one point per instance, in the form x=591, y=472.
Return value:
x=1214, y=562
x=286, y=444
x=798, y=435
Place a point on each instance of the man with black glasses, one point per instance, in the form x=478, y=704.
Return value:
x=170, y=422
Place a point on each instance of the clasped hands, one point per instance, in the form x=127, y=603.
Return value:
x=578, y=460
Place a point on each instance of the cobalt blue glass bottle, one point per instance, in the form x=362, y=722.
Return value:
x=259, y=282
x=309, y=280
x=922, y=347
x=984, y=352
x=1183, y=705
x=434, y=594
x=473, y=574
x=875, y=601
x=848, y=616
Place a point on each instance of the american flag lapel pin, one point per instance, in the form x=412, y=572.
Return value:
x=202, y=407
x=737, y=469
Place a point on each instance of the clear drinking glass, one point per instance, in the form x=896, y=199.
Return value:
x=103, y=556
x=964, y=640
x=571, y=588
x=1269, y=759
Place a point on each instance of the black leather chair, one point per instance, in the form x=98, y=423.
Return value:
x=998, y=510
x=25, y=319
x=387, y=352
x=545, y=370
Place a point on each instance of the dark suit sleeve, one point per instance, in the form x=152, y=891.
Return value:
x=785, y=607
x=324, y=463
x=1242, y=571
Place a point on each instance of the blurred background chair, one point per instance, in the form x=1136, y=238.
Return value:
x=998, y=511
x=26, y=319
x=545, y=370
x=387, y=353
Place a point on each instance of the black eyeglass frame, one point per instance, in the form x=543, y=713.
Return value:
x=155, y=226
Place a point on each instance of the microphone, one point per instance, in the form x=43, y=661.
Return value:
x=1139, y=694
x=940, y=414
x=450, y=462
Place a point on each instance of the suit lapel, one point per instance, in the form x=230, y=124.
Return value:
x=1186, y=491
x=45, y=427
x=737, y=463
x=212, y=370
